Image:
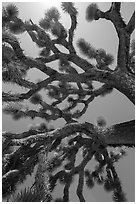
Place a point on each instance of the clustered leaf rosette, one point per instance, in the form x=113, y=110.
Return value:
x=100, y=55
x=69, y=8
x=91, y=12
x=51, y=23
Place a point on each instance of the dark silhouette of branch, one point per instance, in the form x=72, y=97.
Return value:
x=71, y=83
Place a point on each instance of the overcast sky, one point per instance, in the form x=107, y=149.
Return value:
x=115, y=108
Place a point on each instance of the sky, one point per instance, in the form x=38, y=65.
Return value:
x=115, y=107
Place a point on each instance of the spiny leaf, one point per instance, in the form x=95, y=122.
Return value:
x=17, y=116
x=7, y=52
x=107, y=91
x=68, y=7
x=87, y=173
x=45, y=23
x=119, y=196
x=70, y=100
x=53, y=92
x=108, y=186
x=52, y=14
x=101, y=122
x=86, y=48
x=109, y=59
x=12, y=10
x=5, y=18
x=89, y=182
x=16, y=27
x=28, y=195
x=14, y=72
x=45, y=52
x=42, y=127
x=101, y=53
x=36, y=99
x=91, y=12
x=58, y=30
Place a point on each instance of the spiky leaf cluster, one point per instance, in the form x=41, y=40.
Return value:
x=107, y=91
x=45, y=24
x=51, y=22
x=18, y=175
x=7, y=54
x=91, y=12
x=36, y=99
x=89, y=179
x=16, y=27
x=53, y=92
x=86, y=49
x=52, y=14
x=103, y=58
x=101, y=122
x=13, y=72
x=58, y=30
x=108, y=185
x=43, y=127
x=10, y=20
x=8, y=13
x=69, y=8
x=119, y=196
x=28, y=195
x=45, y=52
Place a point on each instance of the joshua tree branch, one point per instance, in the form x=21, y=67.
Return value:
x=131, y=24
x=114, y=135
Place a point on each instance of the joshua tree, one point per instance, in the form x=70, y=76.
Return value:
x=54, y=151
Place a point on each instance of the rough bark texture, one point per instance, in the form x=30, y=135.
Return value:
x=17, y=164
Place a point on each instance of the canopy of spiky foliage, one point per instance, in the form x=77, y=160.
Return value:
x=70, y=92
x=29, y=195
x=51, y=22
x=8, y=13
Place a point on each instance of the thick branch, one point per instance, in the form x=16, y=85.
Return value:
x=19, y=97
x=120, y=134
x=125, y=83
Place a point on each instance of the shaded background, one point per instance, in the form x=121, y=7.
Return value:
x=115, y=107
